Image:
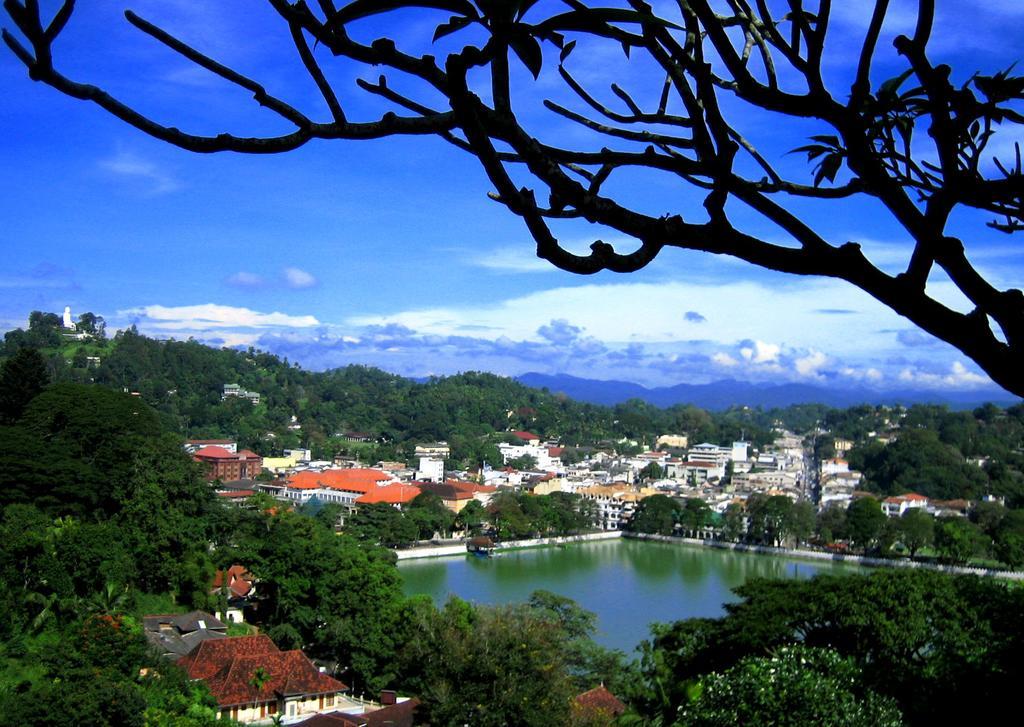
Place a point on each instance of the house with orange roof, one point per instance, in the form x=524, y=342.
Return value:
x=252, y=680
x=398, y=495
x=238, y=586
x=341, y=486
x=896, y=506
x=456, y=494
x=527, y=437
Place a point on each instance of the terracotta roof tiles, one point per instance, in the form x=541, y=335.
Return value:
x=228, y=666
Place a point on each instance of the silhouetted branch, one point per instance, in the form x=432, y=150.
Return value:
x=767, y=54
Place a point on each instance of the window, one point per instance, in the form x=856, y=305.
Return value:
x=329, y=700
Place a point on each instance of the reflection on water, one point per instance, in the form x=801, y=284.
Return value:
x=629, y=584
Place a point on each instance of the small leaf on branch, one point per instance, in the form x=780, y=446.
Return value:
x=566, y=50
x=457, y=22
x=529, y=52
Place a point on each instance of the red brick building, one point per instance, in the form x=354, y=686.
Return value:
x=228, y=466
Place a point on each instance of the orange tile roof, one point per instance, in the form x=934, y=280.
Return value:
x=390, y=494
x=228, y=667
x=350, y=480
x=214, y=453
x=525, y=436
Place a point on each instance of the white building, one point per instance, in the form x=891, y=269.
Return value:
x=430, y=469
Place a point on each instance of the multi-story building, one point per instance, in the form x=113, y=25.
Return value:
x=226, y=466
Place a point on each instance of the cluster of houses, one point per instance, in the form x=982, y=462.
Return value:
x=717, y=474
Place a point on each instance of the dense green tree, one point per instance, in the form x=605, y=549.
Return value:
x=381, y=524
x=1009, y=539
x=471, y=517
x=22, y=377
x=694, y=516
x=831, y=524
x=652, y=471
x=770, y=518
x=733, y=522
x=918, y=461
x=656, y=514
x=795, y=685
x=341, y=598
x=958, y=540
x=802, y=521
x=934, y=643
x=864, y=522
x=505, y=513
x=498, y=665
x=916, y=529
x=428, y=512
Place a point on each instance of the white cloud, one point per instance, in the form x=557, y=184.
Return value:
x=517, y=259
x=810, y=364
x=211, y=316
x=785, y=312
x=870, y=374
x=759, y=352
x=959, y=377
x=297, y=278
x=128, y=165
x=724, y=359
x=242, y=279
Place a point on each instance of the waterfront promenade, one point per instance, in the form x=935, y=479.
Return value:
x=459, y=548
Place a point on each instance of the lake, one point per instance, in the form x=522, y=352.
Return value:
x=629, y=584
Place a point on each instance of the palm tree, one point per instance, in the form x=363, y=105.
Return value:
x=258, y=680
x=113, y=599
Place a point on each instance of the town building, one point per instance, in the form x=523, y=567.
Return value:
x=235, y=391
x=252, y=680
x=174, y=635
x=224, y=465
x=896, y=506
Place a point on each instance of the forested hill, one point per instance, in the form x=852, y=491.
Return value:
x=184, y=382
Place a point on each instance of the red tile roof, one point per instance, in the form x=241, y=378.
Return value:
x=214, y=453
x=599, y=700
x=402, y=714
x=239, y=580
x=228, y=665
x=525, y=436
x=238, y=494
x=390, y=494
x=351, y=480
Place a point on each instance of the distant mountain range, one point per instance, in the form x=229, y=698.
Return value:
x=720, y=395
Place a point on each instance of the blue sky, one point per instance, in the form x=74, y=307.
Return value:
x=389, y=253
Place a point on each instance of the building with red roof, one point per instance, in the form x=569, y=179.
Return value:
x=527, y=437
x=598, y=706
x=397, y=495
x=456, y=494
x=340, y=486
x=358, y=481
x=253, y=680
x=896, y=506
x=224, y=465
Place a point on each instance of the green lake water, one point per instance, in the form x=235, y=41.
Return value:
x=629, y=584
